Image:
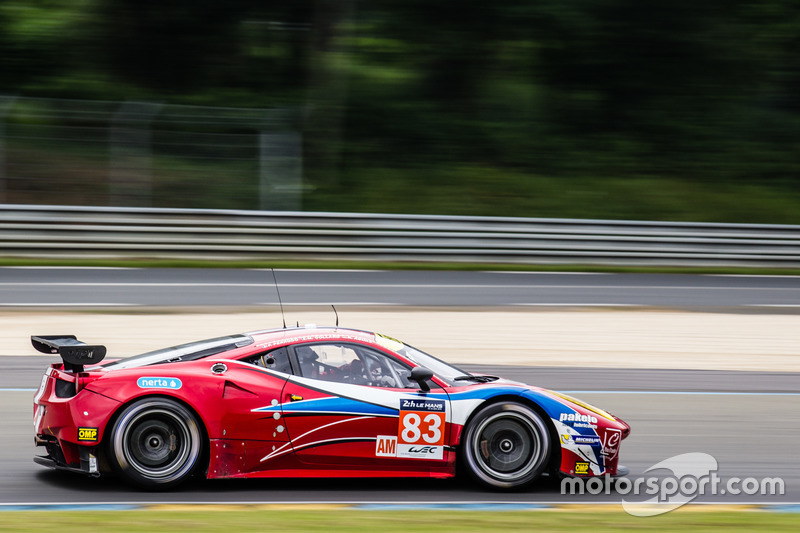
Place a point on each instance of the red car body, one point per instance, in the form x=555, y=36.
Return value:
x=309, y=402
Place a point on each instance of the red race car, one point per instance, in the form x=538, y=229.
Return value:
x=307, y=402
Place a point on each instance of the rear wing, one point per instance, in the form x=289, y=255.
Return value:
x=73, y=352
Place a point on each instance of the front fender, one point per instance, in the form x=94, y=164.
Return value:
x=588, y=436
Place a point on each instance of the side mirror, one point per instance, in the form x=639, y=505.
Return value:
x=421, y=375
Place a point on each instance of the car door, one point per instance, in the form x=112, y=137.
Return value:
x=353, y=406
x=250, y=428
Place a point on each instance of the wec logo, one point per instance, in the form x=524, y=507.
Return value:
x=422, y=449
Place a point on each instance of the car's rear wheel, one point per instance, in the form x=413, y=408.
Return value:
x=155, y=443
x=506, y=446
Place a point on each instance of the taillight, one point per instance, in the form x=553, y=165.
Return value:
x=65, y=389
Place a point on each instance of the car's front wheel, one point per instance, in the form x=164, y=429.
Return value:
x=506, y=446
x=155, y=443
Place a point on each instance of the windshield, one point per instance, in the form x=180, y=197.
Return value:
x=440, y=369
x=184, y=352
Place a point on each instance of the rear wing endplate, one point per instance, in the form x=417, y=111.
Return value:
x=73, y=352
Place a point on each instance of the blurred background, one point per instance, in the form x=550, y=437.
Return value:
x=619, y=109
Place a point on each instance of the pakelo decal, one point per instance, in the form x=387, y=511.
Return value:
x=578, y=420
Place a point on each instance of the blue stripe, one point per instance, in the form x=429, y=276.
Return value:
x=792, y=508
x=679, y=393
x=331, y=405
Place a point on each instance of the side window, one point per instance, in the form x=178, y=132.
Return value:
x=329, y=362
x=350, y=363
x=277, y=360
x=403, y=374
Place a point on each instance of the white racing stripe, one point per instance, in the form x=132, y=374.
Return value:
x=287, y=447
x=576, y=392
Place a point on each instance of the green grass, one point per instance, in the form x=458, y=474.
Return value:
x=248, y=518
x=494, y=191
x=378, y=265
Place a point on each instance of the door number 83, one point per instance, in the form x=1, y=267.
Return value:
x=421, y=428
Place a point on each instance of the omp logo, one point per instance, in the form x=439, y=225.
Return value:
x=581, y=468
x=159, y=383
x=87, y=434
x=386, y=446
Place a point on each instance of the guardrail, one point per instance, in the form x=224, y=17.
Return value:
x=33, y=231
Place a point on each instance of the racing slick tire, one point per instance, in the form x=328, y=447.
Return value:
x=506, y=446
x=156, y=443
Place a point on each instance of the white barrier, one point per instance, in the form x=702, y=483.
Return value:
x=109, y=232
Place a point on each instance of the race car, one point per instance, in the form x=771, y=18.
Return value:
x=307, y=402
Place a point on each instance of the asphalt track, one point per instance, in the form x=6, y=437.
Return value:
x=25, y=287
x=749, y=422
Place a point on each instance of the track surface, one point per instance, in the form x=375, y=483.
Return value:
x=89, y=287
x=750, y=422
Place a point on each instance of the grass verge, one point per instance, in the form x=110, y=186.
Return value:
x=275, y=518
x=375, y=265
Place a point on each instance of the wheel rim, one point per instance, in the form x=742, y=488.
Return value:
x=506, y=446
x=157, y=442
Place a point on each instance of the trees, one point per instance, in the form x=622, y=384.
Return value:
x=423, y=91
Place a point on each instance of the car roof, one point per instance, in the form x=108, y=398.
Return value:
x=309, y=333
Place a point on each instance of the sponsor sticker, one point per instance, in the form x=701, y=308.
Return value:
x=610, y=442
x=93, y=464
x=578, y=420
x=386, y=446
x=581, y=440
x=87, y=434
x=159, y=383
x=581, y=468
x=420, y=431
